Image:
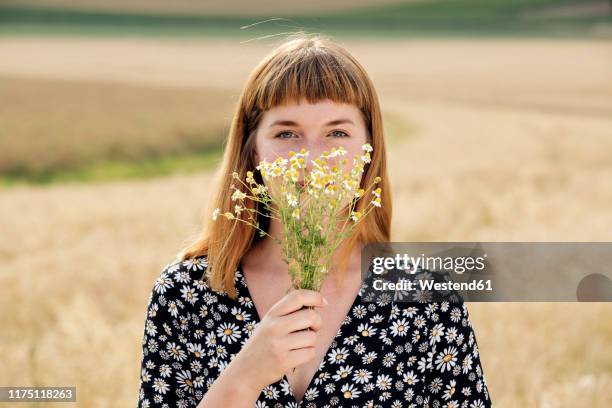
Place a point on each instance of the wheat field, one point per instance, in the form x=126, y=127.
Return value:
x=79, y=122
x=489, y=140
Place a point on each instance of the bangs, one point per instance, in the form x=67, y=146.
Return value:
x=312, y=73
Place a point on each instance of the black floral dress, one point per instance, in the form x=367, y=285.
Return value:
x=385, y=354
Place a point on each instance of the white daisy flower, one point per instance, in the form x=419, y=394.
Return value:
x=349, y=391
x=399, y=327
x=189, y=294
x=228, y=332
x=447, y=359
x=184, y=380
x=367, y=147
x=338, y=355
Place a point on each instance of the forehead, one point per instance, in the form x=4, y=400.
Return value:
x=312, y=112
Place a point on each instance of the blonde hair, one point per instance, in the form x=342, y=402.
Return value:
x=309, y=66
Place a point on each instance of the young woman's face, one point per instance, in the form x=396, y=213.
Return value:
x=315, y=127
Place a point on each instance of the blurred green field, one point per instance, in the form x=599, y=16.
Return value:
x=549, y=18
x=88, y=130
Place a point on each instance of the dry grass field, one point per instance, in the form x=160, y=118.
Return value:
x=79, y=122
x=489, y=140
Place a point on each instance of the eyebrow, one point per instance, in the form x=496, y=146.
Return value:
x=330, y=123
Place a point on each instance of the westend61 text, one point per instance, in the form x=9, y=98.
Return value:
x=406, y=285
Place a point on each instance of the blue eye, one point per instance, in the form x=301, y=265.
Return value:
x=342, y=132
x=283, y=133
x=335, y=133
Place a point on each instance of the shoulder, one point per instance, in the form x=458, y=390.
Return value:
x=186, y=283
x=180, y=284
x=176, y=295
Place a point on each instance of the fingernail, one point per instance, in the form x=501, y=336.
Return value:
x=325, y=301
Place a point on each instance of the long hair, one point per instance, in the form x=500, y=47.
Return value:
x=313, y=67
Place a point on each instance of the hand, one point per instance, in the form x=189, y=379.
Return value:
x=280, y=341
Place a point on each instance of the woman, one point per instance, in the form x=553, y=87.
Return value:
x=223, y=330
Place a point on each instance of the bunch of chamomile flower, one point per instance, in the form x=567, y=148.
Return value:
x=315, y=205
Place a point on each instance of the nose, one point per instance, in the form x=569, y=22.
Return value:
x=315, y=149
x=316, y=146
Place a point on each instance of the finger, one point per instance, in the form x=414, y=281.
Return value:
x=300, y=320
x=294, y=300
x=301, y=339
